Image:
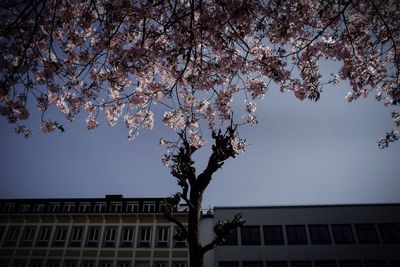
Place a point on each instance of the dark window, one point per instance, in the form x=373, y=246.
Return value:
x=250, y=235
x=27, y=236
x=342, y=233
x=350, y=263
x=273, y=235
x=19, y=263
x=228, y=264
x=390, y=233
x=144, y=240
x=162, y=237
x=93, y=237
x=4, y=263
x=375, y=263
x=296, y=234
x=53, y=263
x=325, y=263
x=36, y=263
x=300, y=264
x=76, y=236
x=366, y=234
x=127, y=237
x=110, y=236
x=252, y=264
x=276, y=264
x=70, y=263
x=60, y=236
x=179, y=242
x=12, y=236
x=44, y=236
x=319, y=234
x=395, y=263
x=231, y=238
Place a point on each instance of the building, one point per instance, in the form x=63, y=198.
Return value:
x=132, y=232
x=310, y=236
x=105, y=232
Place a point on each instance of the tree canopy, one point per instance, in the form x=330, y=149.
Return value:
x=119, y=59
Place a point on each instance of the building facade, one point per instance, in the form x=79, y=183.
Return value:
x=311, y=236
x=104, y=232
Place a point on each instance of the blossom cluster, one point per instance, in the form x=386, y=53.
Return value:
x=121, y=58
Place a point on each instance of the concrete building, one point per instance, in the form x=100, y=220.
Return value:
x=310, y=236
x=104, y=232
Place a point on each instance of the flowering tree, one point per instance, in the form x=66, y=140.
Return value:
x=192, y=58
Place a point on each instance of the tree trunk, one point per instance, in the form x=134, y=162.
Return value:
x=195, y=248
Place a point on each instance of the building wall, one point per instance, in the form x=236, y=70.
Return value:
x=329, y=217
x=110, y=249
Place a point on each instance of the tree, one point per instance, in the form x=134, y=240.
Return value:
x=192, y=58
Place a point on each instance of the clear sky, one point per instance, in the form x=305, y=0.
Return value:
x=301, y=152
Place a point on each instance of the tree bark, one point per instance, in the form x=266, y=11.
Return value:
x=195, y=248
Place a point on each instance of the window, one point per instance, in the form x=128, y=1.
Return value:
x=76, y=236
x=132, y=207
x=325, y=263
x=44, y=236
x=161, y=264
x=127, y=236
x=2, y=230
x=148, y=207
x=54, y=207
x=228, y=264
x=231, y=238
x=300, y=264
x=142, y=264
x=106, y=264
x=115, y=207
x=162, y=237
x=12, y=236
x=390, y=233
x=161, y=207
x=27, y=236
x=93, y=237
x=60, y=236
x=296, y=234
x=342, y=233
x=366, y=234
x=178, y=243
x=4, y=263
x=36, y=263
x=110, y=237
x=9, y=207
x=100, y=207
x=319, y=234
x=84, y=207
x=69, y=207
x=179, y=264
x=88, y=263
x=250, y=235
x=375, y=263
x=273, y=235
x=19, y=263
x=276, y=264
x=25, y=208
x=252, y=264
x=124, y=264
x=350, y=263
x=70, y=263
x=145, y=234
x=53, y=263
x=38, y=208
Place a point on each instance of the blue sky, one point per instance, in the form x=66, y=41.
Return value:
x=301, y=152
